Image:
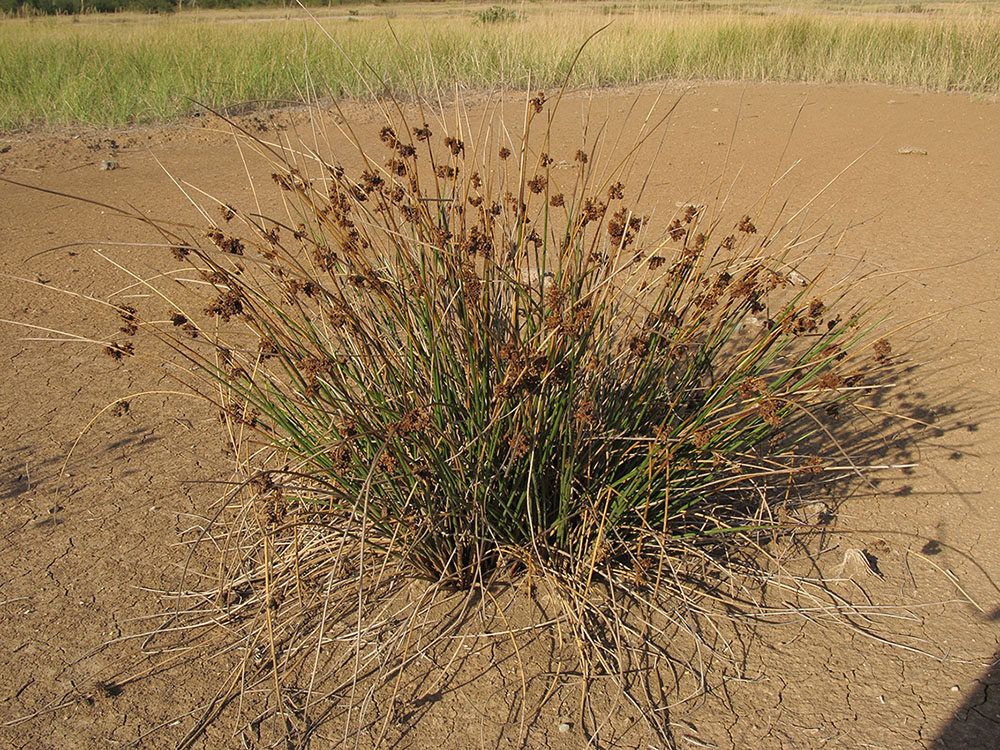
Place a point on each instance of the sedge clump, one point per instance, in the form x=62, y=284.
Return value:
x=461, y=363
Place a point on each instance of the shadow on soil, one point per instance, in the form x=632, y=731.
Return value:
x=976, y=723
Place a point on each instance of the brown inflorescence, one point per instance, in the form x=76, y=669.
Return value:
x=116, y=351
x=127, y=314
x=623, y=227
x=414, y=420
x=523, y=376
x=226, y=244
x=388, y=136
x=881, y=349
x=226, y=306
x=752, y=387
x=701, y=438
x=267, y=349
x=181, y=321
x=769, y=411
x=584, y=414
x=593, y=210
x=519, y=446
x=676, y=230
x=638, y=346
x=478, y=242
x=472, y=285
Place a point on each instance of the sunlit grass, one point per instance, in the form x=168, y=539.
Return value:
x=55, y=73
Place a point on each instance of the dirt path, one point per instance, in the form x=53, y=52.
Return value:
x=87, y=544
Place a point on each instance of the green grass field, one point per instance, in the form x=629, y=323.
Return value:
x=118, y=70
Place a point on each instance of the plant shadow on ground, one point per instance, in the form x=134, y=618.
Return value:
x=22, y=473
x=977, y=722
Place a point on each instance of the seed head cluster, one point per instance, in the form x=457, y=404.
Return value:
x=428, y=333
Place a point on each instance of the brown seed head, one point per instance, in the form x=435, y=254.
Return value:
x=388, y=136
x=267, y=348
x=554, y=296
x=226, y=306
x=226, y=244
x=537, y=184
x=414, y=420
x=881, y=349
x=593, y=210
x=518, y=446
x=701, y=438
x=768, y=411
x=117, y=351
x=752, y=387
x=638, y=346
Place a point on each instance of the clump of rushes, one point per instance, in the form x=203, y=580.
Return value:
x=461, y=364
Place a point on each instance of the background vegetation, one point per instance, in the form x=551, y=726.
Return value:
x=123, y=69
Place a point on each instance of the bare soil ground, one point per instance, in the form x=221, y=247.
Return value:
x=88, y=543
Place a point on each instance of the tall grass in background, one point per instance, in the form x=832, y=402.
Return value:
x=55, y=73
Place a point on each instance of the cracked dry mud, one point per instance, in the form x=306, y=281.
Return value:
x=87, y=544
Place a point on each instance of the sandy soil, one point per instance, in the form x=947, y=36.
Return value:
x=90, y=540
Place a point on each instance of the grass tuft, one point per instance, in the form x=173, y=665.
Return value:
x=475, y=360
